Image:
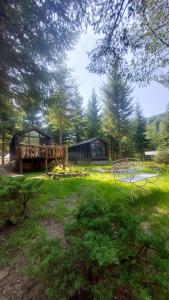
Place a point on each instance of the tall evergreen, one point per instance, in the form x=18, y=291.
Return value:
x=10, y=120
x=77, y=117
x=33, y=34
x=93, y=117
x=57, y=115
x=140, y=140
x=64, y=114
x=117, y=109
x=164, y=131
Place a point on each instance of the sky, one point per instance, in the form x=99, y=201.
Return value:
x=153, y=98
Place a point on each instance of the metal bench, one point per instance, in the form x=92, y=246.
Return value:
x=133, y=171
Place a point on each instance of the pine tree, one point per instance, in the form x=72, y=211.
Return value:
x=10, y=120
x=33, y=34
x=64, y=115
x=117, y=108
x=153, y=133
x=56, y=115
x=93, y=117
x=77, y=117
x=140, y=140
x=164, y=131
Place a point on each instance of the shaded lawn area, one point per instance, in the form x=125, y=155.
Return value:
x=59, y=200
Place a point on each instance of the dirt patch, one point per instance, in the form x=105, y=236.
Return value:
x=14, y=285
x=146, y=227
x=5, y=232
x=19, y=287
x=161, y=211
x=54, y=229
x=72, y=200
x=5, y=172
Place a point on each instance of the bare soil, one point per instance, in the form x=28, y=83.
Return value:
x=14, y=284
x=19, y=287
x=6, y=172
x=54, y=229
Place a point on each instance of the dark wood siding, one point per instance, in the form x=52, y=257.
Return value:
x=96, y=149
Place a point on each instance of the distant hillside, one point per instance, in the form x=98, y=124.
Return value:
x=155, y=118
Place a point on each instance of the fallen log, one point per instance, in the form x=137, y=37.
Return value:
x=67, y=175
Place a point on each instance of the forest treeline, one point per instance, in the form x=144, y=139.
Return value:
x=111, y=114
x=37, y=88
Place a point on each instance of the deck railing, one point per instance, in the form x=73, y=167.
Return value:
x=37, y=151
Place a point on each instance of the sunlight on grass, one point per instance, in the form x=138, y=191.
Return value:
x=59, y=200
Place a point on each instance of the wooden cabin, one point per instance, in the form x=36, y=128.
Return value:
x=95, y=149
x=32, y=149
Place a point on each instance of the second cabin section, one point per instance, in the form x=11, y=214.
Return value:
x=32, y=149
x=94, y=149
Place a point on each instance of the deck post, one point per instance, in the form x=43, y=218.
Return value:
x=46, y=165
x=63, y=157
x=20, y=166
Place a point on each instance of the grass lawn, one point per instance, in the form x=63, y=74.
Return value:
x=59, y=200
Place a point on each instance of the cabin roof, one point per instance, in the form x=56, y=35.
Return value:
x=21, y=132
x=87, y=141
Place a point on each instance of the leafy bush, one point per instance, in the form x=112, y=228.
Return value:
x=162, y=157
x=164, y=168
x=106, y=255
x=15, y=193
x=68, y=169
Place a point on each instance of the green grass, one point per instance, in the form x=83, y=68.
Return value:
x=59, y=200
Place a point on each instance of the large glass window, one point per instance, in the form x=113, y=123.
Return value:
x=98, y=149
x=31, y=138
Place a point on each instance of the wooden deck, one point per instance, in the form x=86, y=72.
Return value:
x=37, y=151
x=29, y=157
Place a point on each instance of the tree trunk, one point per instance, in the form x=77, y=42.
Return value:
x=3, y=145
x=60, y=128
x=120, y=148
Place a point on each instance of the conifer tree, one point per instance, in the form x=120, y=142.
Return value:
x=10, y=120
x=56, y=115
x=117, y=108
x=164, y=131
x=77, y=117
x=140, y=140
x=93, y=117
x=64, y=113
x=33, y=34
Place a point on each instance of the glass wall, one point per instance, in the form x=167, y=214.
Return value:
x=98, y=149
x=32, y=138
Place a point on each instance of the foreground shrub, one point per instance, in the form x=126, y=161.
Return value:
x=68, y=169
x=163, y=167
x=106, y=255
x=15, y=193
x=162, y=156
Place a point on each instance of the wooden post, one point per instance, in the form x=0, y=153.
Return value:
x=46, y=165
x=3, y=144
x=20, y=166
x=63, y=157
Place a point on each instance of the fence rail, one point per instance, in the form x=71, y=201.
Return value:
x=37, y=151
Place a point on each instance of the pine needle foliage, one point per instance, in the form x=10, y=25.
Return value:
x=117, y=108
x=33, y=34
x=93, y=116
x=15, y=194
x=140, y=140
x=106, y=255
